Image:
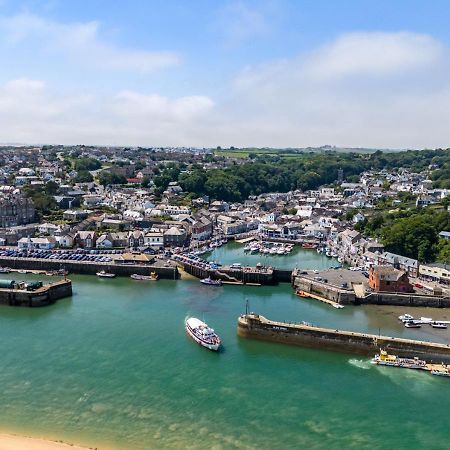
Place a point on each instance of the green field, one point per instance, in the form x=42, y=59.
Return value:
x=243, y=153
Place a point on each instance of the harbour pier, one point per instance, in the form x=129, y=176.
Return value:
x=162, y=268
x=255, y=326
x=19, y=294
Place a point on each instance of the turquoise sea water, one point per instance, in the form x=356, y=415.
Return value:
x=113, y=368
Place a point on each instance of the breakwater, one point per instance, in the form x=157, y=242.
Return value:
x=90, y=268
x=43, y=296
x=256, y=326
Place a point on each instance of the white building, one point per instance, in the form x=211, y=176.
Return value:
x=44, y=243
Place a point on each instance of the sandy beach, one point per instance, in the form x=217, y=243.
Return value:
x=13, y=442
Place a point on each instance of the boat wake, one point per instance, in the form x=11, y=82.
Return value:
x=360, y=363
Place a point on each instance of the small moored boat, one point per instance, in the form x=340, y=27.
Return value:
x=152, y=277
x=437, y=324
x=405, y=317
x=103, y=274
x=202, y=333
x=412, y=324
x=210, y=282
x=441, y=371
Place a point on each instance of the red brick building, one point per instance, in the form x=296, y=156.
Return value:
x=388, y=279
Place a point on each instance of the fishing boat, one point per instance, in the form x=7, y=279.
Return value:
x=210, y=282
x=437, y=324
x=103, y=274
x=202, y=333
x=309, y=245
x=384, y=359
x=280, y=251
x=5, y=270
x=152, y=277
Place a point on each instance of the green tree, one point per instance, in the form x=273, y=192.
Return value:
x=51, y=187
x=87, y=164
x=84, y=176
x=107, y=178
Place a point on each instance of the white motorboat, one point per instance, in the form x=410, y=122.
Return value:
x=103, y=274
x=202, y=333
x=412, y=324
x=210, y=282
x=437, y=324
x=405, y=317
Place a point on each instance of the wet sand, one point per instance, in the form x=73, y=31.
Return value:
x=14, y=442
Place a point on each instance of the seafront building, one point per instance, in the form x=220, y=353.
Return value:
x=134, y=215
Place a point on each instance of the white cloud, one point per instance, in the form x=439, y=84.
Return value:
x=31, y=112
x=373, y=54
x=344, y=94
x=188, y=108
x=79, y=43
x=363, y=89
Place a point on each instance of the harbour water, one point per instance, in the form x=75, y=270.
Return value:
x=299, y=257
x=112, y=368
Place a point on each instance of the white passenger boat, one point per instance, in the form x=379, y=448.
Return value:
x=103, y=274
x=384, y=359
x=202, y=334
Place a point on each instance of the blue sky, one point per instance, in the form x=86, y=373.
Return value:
x=207, y=73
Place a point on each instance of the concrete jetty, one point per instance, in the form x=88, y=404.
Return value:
x=45, y=295
x=256, y=326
